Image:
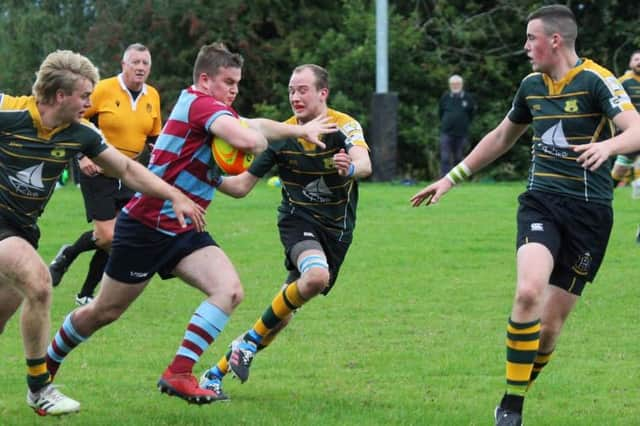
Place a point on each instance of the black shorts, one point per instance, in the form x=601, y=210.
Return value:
x=9, y=229
x=575, y=232
x=138, y=252
x=103, y=196
x=294, y=229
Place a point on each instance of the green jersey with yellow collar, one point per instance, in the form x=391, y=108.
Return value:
x=575, y=110
x=32, y=157
x=311, y=186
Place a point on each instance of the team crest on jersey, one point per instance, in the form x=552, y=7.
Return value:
x=149, y=108
x=58, y=153
x=328, y=163
x=583, y=264
x=571, y=105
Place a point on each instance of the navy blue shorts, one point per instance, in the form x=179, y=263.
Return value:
x=103, y=196
x=138, y=252
x=576, y=233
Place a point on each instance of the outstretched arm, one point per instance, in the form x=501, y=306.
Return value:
x=493, y=145
x=310, y=131
x=138, y=178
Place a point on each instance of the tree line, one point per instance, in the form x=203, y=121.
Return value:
x=428, y=41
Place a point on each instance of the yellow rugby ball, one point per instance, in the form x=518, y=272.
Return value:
x=231, y=160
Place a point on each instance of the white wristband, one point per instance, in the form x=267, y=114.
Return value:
x=459, y=173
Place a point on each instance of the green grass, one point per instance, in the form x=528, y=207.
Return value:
x=413, y=333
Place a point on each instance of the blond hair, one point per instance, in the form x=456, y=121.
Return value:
x=61, y=70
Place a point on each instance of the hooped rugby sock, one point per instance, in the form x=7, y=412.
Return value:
x=37, y=374
x=266, y=340
x=85, y=242
x=94, y=275
x=285, y=302
x=541, y=360
x=523, y=341
x=222, y=367
x=205, y=326
x=65, y=340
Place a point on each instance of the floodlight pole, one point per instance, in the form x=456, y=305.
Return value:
x=384, y=105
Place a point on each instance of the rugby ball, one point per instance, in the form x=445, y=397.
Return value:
x=231, y=160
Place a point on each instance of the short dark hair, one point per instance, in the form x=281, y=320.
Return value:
x=557, y=18
x=321, y=74
x=213, y=56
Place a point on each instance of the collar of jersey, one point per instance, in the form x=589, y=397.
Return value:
x=556, y=87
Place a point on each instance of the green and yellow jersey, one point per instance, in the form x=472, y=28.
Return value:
x=124, y=121
x=575, y=110
x=32, y=157
x=631, y=83
x=311, y=186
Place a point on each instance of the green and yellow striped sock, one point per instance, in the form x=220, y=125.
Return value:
x=541, y=360
x=523, y=341
x=37, y=374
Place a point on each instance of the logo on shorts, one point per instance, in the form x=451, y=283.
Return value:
x=538, y=227
x=583, y=265
x=134, y=274
x=308, y=234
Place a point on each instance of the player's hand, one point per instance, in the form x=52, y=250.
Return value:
x=342, y=161
x=432, y=193
x=593, y=154
x=316, y=127
x=183, y=207
x=88, y=167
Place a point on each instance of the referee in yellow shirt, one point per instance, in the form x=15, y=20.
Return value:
x=127, y=111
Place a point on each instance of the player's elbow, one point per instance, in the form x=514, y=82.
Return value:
x=238, y=193
x=253, y=142
x=365, y=170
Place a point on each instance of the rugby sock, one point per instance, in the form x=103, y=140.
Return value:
x=85, y=242
x=266, y=340
x=222, y=367
x=523, y=341
x=285, y=302
x=539, y=363
x=65, y=340
x=37, y=374
x=205, y=326
x=94, y=275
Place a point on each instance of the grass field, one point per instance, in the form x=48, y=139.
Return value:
x=413, y=333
